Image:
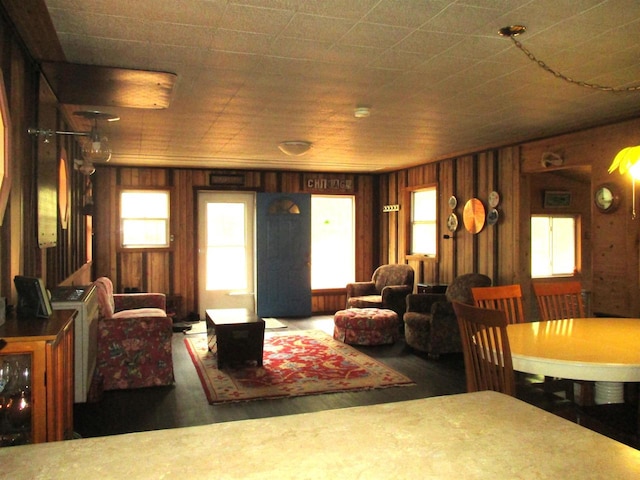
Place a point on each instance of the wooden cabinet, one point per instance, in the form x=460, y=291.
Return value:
x=36, y=373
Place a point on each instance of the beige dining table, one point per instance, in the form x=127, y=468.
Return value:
x=603, y=350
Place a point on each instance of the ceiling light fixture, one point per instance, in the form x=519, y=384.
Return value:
x=362, y=112
x=95, y=147
x=628, y=160
x=513, y=31
x=295, y=148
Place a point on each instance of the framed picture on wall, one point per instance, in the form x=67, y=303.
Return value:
x=556, y=199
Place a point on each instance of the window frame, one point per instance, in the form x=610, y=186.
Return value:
x=577, y=229
x=408, y=220
x=169, y=220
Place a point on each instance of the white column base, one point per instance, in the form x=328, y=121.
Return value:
x=609, y=392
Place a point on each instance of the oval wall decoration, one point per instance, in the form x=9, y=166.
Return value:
x=63, y=189
x=474, y=215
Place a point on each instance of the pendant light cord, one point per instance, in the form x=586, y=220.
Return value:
x=512, y=31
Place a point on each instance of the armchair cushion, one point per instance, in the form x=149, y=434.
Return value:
x=430, y=324
x=460, y=288
x=134, y=339
x=135, y=352
x=140, y=312
x=104, y=291
x=361, y=289
x=131, y=301
x=388, y=288
x=365, y=301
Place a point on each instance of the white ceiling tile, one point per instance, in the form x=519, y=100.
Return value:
x=438, y=78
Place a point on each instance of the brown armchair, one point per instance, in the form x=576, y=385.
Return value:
x=388, y=288
x=134, y=339
x=430, y=323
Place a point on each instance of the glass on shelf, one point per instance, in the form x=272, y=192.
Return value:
x=15, y=400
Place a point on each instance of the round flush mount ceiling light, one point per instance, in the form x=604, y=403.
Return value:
x=362, y=112
x=295, y=148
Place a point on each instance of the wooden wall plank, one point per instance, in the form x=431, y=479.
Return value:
x=175, y=271
x=501, y=251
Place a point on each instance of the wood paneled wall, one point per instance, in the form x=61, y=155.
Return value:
x=610, y=268
x=614, y=237
x=175, y=271
x=472, y=176
x=19, y=250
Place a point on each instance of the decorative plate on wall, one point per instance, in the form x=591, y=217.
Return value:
x=492, y=217
x=453, y=202
x=494, y=199
x=452, y=222
x=473, y=215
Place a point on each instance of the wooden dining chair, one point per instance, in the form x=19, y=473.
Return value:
x=485, y=346
x=507, y=298
x=562, y=301
x=559, y=300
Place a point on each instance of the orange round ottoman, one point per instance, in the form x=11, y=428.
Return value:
x=366, y=326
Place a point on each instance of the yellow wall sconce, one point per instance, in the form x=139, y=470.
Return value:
x=628, y=160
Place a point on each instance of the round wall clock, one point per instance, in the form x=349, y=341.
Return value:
x=452, y=222
x=606, y=198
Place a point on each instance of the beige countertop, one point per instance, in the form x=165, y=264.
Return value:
x=482, y=435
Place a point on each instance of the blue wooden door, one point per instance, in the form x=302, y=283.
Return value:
x=283, y=254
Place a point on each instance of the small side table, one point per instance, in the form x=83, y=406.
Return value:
x=431, y=288
x=236, y=334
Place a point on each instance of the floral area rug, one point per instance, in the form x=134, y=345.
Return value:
x=294, y=363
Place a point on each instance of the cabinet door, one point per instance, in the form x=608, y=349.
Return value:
x=22, y=396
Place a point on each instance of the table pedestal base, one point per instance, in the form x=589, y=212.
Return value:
x=609, y=392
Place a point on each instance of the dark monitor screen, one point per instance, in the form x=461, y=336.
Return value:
x=33, y=297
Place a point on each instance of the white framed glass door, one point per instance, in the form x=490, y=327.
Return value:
x=226, y=250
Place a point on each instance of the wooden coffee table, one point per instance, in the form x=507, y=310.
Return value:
x=236, y=334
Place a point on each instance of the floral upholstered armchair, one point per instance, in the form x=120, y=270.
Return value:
x=134, y=339
x=430, y=324
x=388, y=288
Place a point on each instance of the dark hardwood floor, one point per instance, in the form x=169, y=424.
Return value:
x=184, y=404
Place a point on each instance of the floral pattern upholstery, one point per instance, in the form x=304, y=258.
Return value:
x=430, y=324
x=134, y=339
x=366, y=326
x=388, y=288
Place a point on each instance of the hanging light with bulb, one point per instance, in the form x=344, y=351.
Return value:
x=95, y=147
x=628, y=161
